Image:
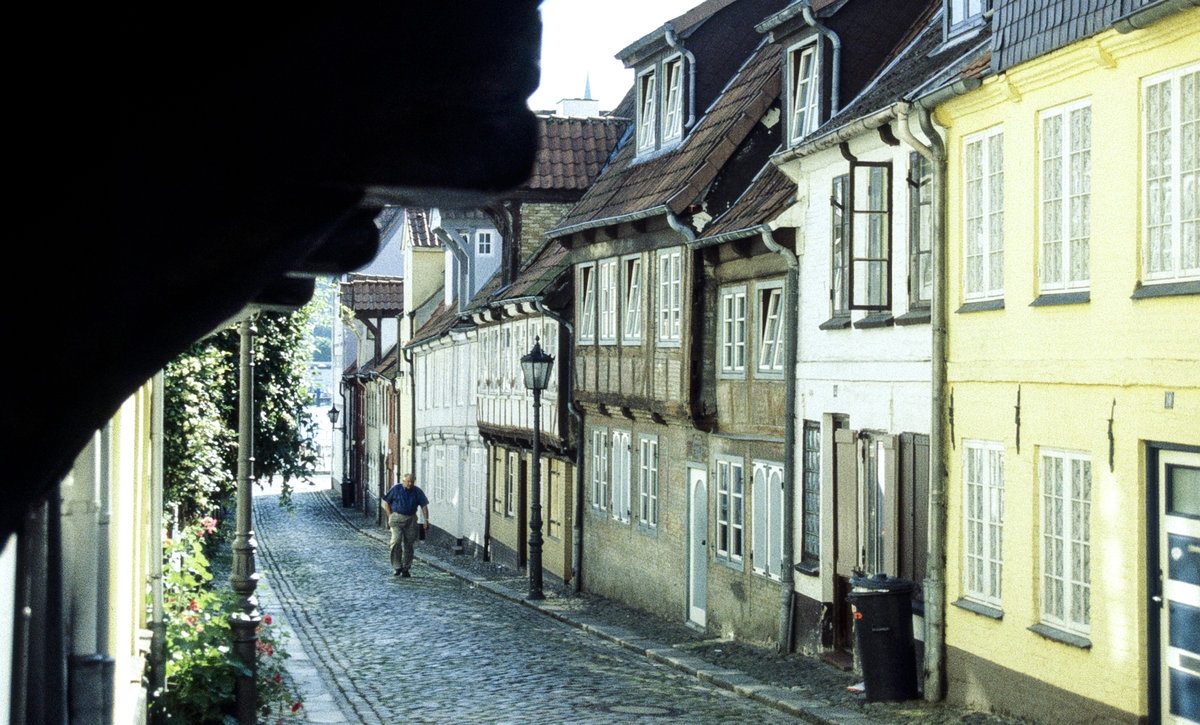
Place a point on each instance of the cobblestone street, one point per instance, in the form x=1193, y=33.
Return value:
x=438, y=649
x=459, y=643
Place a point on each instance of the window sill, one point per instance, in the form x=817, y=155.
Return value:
x=1165, y=289
x=877, y=319
x=1057, y=635
x=980, y=609
x=982, y=306
x=724, y=560
x=1062, y=298
x=731, y=375
x=647, y=530
x=808, y=568
x=836, y=323
x=914, y=317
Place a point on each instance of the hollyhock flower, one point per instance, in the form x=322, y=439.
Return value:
x=267, y=619
x=295, y=706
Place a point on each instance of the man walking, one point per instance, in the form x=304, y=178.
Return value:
x=401, y=503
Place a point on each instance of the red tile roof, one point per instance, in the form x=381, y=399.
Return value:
x=677, y=178
x=572, y=151
x=419, y=234
x=377, y=294
x=769, y=194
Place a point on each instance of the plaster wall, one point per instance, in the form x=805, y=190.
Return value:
x=1076, y=366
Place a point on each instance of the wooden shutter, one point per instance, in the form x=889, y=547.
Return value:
x=914, y=505
x=846, y=504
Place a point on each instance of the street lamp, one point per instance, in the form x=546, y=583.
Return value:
x=536, y=368
x=333, y=415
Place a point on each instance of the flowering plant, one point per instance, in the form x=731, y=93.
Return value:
x=201, y=668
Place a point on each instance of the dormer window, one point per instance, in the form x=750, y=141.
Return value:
x=963, y=15
x=660, y=99
x=646, y=123
x=673, y=100
x=803, y=91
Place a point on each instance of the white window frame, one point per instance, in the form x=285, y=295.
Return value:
x=804, y=94
x=731, y=508
x=600, y=496
x=606, y=288
x=920, y=232
x=1062, y=545
x=647, y=111
x=484, y=246
x=766, y=551
x=672, y=115
x=585, y=284
x=648, y=481
x=1165, y=182
x=983, y=521
x=772, y=330
x=733, y=332
x=620, y=475
x=1064, y=240
x=510, y=484
x=632, y=278
x=987, y=212
x=670, y=296
x=964, y=14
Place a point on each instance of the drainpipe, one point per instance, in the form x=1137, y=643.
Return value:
x=673, y=221
x=158, y=624
x=464, y=260
x=836, y=43
x=673, y=41
x=577, y=524
x=790, y=354
x=935, y=566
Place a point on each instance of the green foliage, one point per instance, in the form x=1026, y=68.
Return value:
x=201, y=668
x=201, y=411
x=197, y=442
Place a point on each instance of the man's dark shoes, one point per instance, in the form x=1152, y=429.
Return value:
x=404, y=573
x=396, y=572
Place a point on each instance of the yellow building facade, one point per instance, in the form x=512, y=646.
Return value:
x=1073, y=380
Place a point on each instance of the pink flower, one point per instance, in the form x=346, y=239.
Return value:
x=194, y=607
x=209, y=523
x=295, y=706
x=267, y=619
x=278, y=678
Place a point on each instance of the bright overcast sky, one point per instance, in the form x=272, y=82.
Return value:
x=580, y=38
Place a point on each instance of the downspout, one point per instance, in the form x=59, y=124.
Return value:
x=935, y=565
x=836, y=43
x=790, y=355
x=412, y=400
x=673, y=41
x=577, y=524
x=158, y=624
x=464, y=259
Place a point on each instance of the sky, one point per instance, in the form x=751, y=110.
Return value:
x=580, y=38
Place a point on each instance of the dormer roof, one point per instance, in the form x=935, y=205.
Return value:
x=632, y=188
x=1026, y=29
x=683, y=26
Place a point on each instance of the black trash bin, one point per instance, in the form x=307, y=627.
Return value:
x=347, y=493
x=883, y=627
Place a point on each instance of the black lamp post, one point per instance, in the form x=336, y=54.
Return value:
x=333, y=417
x=536, y=368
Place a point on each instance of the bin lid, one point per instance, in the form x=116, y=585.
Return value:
x=882, y=583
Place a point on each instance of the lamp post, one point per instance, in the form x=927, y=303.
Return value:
x=333, y=416
x=243, y=580
x=536, y=368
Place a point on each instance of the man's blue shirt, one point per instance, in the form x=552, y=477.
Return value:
x=405, y=500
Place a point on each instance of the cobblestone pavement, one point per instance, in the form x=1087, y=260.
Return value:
x=477, y=651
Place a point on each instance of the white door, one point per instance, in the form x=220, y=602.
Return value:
x=1179, y=562
x=698, y=546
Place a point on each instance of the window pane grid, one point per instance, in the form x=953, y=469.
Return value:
x=1066, y=197
x=770, y=356
x=733, y=329
x=983, y=480
x=646, y=116
x=804, y=92
x=1171, y=191
x=648, y=482
x=633, y=301
x=672, y=116
x=983, y=216
x=1066, y=557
